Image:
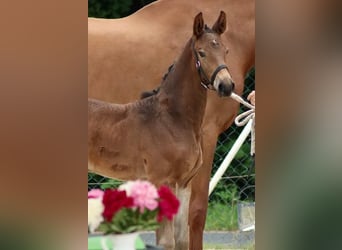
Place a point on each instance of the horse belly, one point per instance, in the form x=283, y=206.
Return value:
x=120, y=170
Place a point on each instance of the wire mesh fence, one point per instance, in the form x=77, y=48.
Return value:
x=238, y=182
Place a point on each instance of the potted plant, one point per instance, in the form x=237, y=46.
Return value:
x=135, y=206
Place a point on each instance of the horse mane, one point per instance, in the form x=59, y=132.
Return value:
x=155, y=91
x=146, y=94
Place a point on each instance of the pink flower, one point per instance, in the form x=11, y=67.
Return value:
x=144, y=194
x=95, y=193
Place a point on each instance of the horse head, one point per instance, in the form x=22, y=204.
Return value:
x=210, y=54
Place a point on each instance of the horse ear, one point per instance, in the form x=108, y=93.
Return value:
x=198, y=25
x=220, y=26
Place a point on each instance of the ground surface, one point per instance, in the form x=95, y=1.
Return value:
x=217, y=240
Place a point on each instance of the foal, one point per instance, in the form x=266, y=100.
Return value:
x=159, y=138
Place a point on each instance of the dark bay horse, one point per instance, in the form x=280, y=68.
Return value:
x=120, y=68
x=159, y=138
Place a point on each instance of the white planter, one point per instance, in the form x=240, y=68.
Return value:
x=120, y=241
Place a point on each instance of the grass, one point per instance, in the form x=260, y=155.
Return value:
x=221, y=217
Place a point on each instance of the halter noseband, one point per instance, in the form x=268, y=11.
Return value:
x=205, y=82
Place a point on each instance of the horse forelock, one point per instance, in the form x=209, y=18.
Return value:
x=155, y=91
x=207, y=29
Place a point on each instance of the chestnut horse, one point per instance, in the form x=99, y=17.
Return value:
x=159, y=138
x=121, y=53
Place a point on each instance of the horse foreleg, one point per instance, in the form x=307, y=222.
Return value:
x=199, y=194
x=181, y=219
x=165, y=235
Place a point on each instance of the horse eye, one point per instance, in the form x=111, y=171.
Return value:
x=201, y=53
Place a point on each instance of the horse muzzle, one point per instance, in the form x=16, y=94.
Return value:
x=225, y=89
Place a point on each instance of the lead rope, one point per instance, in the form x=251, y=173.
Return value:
x=245, y=117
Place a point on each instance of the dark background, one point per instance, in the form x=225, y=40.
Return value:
x=114, y=8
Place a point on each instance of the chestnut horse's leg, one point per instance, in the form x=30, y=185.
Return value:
x=181, y=219
x=199, y=191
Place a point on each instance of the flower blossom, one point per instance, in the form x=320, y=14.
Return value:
x=95, y=209
x=95, y=193
x=168, y=203
x=144, y=194
x=114, y=200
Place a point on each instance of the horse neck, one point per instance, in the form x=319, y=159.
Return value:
x=182, y=92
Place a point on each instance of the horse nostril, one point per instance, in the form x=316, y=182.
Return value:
x=221, y=88
x=224, y=89
x=233, y=86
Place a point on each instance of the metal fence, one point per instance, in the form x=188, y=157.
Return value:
x=238, y=182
